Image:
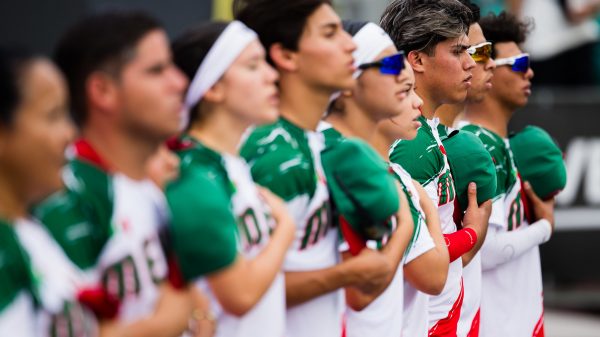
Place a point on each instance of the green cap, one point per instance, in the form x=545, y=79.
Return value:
x=362, y=188
x=470, y=162
x=539, y=161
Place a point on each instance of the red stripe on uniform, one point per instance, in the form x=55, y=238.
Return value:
x=474, y=332
x=446, y=327
x=538, y=331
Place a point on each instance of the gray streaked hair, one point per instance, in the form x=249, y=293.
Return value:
x=421, y=24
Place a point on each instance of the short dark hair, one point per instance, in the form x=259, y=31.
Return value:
x=277, y=21
x=421, y=24
x=13, y=64
x=475, y=11
x=505, y=27
x=104, y=41
x=190, y=49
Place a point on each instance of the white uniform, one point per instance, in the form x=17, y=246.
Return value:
x=416, y=303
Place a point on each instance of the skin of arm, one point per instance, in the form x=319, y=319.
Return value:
x=428, y=272
x=236, y=292
x=170, y=317
x=359, y=298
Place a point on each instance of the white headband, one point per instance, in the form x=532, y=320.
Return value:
x=232, y=41
x=370, y=40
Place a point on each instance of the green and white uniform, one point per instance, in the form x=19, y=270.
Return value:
x=17, y=312
x=108, y=225
x=218, y=214
x=384, y=316
x=39, y=285
x=425, y=160
x=286, y=159
x=511, y=303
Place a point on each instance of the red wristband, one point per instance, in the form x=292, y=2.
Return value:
x=460, y=242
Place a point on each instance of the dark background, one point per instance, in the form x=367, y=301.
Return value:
x=37, y=24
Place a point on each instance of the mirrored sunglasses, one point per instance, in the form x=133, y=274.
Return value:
x=481, y=52
x=390, y=65
x=519, y=63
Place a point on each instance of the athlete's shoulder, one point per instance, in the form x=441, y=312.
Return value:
x=421, y=157
x=202, y=222
x=79, y=216
x=280, y=159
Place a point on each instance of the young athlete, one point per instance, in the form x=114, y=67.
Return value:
x=433, y=34
x=305, y=42
x=225, y=238
x=480, y=50
x=367, y=180
x=126, y=97
x=511, y=303
x=384, y=91
x=39, y=286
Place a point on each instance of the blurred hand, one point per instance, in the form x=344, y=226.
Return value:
x=541, y=209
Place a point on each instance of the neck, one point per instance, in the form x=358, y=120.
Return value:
x=123, y=151
x=301, y=104
x=449, y=112
x=12, y=204
x=489, y=114
x=353, y=122
x=381, y=144
x=220, y=131
x=430, y=104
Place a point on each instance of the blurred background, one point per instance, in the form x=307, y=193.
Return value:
x=565, y=50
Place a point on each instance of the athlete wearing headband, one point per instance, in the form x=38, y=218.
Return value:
x=229, y=237
x=385, y=91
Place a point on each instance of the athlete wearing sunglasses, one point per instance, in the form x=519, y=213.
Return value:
x=508, y=310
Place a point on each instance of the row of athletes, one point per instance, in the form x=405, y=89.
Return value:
x=207, y=193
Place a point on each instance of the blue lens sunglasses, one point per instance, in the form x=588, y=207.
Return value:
x=390, y=65
x=519, y=63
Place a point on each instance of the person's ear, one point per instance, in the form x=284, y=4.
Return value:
x=284, y=59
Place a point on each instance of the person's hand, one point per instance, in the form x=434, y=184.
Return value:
x=476, y=216
x=278, y=211
x=371, y=270
x=541, y=209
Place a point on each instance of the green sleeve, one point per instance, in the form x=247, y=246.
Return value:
x=79, y=216
x=14, y=274
x=420, y=157
x=203, y=227
x=279, y=165
x=497, y=150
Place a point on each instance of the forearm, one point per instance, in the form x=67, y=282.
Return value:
x=303, y=286
x=170, y=318
x=266, y=266
x=460, y=242
x=481, y=235
x=501, y=247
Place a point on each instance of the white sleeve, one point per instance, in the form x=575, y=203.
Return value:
x=501, y=246
x=432, y=193
x=423, y=242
